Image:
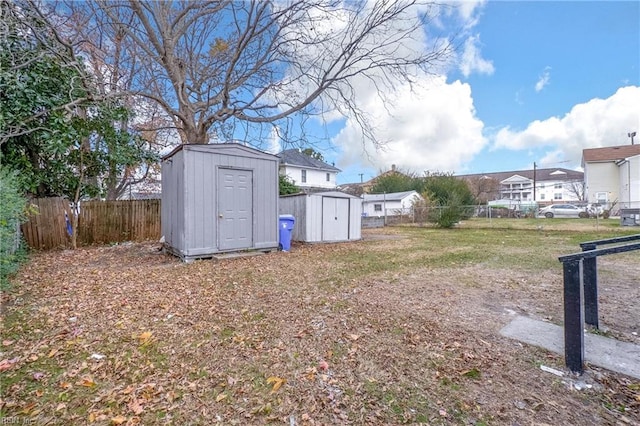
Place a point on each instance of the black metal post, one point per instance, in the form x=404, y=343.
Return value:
x=573, y=319
x=590, y=284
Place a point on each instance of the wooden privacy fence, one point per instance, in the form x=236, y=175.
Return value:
x=99, y=222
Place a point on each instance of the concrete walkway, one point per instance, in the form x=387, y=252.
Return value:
x=621, y=357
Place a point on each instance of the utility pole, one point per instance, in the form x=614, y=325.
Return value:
x=361, y=174
x=534, y=181
x=631, y=135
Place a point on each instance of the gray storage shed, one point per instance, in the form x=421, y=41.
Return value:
x=324, y=216
x=219, y=198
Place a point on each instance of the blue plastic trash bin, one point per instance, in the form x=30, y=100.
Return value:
x=286, y=223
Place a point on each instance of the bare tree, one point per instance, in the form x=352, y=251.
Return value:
x=218, y=67
x=483, y=188
x=577, y=188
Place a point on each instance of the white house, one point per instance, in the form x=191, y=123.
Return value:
x=612, y=174
x=391, y=204
x=307, y=172
x=543, y=186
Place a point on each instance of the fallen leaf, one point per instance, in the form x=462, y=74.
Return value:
x=135, y=407
x=53, y=353
x=276, y=382
x=6, y=364
x=65, y=385
x=118, y=420
x=38, y=375
x=220, y=397
x=145, y=338
x=171, y=396
x=61, y=406
x=28, y=408
x=87, y=382
x=323, y=365
x=8, y=342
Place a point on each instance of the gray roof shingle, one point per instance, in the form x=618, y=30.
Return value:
x=294, y=157
x=541, y=175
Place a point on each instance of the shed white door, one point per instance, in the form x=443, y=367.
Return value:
x=335, y=219
x=235, y=209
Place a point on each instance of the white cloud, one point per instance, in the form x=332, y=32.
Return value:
x=543, y=80
x=433, y=128
x=471, y=59
x=596, y=123
x=467, y=11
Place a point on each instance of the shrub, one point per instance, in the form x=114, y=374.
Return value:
x=12, y=214
x=450, y=198
x=287, y=186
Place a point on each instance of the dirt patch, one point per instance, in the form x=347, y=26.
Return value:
x=128, y=335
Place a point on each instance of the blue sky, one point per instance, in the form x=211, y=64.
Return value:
x=532, y=82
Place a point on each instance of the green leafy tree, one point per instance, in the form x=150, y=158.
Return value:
x=450, y=198
x=397, y=181
x=12, y=214
x=313, y=154
x=287, y=186
x=62, y=138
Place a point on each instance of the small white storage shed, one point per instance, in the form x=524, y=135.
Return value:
x=324, y=216
x=219, y=198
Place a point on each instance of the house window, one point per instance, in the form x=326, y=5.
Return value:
x=304, y=176
x=328, y=178
x=541, y=196
x=557, y=196
x=557, y=186
x=377, y=207
x=601, y=197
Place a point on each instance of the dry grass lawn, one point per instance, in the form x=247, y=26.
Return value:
x=399, y=328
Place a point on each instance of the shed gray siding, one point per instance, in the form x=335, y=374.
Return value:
x=309, y=209
x=192, y=228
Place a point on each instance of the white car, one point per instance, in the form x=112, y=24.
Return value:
x=562, y=210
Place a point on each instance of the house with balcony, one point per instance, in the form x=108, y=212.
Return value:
x=542, y=186
x=306, y=172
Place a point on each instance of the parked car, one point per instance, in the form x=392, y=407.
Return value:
x=563, y=210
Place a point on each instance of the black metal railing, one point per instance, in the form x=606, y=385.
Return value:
x=582, y=268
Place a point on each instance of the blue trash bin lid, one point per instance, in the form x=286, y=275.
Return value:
x=287, y=217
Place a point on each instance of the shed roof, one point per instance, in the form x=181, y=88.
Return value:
x=333, y=194
x=294, y=157
x=609, y=153
x=222, y=148
x=392, y=196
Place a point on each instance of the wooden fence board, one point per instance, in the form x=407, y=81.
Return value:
x=99, y=222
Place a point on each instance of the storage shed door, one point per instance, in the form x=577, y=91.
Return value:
x=335, y=219
x=235, y=209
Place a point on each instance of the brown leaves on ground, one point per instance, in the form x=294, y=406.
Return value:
x=125, y=335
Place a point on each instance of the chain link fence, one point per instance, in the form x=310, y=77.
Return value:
x=629, y=212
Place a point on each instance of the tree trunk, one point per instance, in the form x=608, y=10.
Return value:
x=195, y=135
